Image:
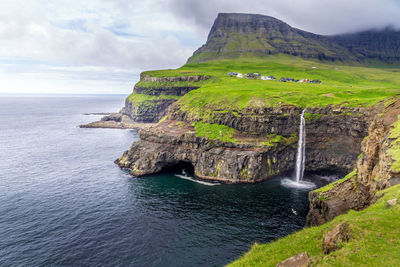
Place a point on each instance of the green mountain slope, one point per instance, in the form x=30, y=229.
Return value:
x=247, y=35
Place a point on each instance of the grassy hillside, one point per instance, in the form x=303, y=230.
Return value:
x=347, y=85
x=375, y=240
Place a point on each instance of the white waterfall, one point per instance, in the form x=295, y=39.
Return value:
x=300, y=157
x=299, y=183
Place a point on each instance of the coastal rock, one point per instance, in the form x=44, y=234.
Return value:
x=299, y=260
x=333, y=143
x=373, y=171
x=332, y=240
x=166, y=146
x=333, y=134
x=149, y=111
x=391, y=202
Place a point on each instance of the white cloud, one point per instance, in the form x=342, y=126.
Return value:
x=104, y=45
x=93, y=35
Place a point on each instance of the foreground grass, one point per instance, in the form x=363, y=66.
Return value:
x=375, y=240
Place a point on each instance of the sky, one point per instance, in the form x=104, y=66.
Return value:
x=101, y=46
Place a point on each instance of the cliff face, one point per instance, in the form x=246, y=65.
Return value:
x=167, y=145
x=382, y=45
x=333, y=143
x=152, y=96
x=233, y=35
x=372, y=173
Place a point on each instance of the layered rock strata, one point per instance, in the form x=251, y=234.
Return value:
x=153, y=109
x=372, y=172
x=333, y=140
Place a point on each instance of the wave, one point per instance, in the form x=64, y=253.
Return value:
x=195, y=180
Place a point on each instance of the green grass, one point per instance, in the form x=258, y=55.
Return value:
x=172, y=84
x=214, y=131
x=336, y=183
x=142, y=100
x=394, y=150
x=345, y=85
x=375, y=240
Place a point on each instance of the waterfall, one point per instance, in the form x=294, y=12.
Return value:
x=300, y=161
x=300, y=157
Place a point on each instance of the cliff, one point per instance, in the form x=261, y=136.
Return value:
x=231, y=129
x=236, y=35
x=373, y=172
x=262, y=145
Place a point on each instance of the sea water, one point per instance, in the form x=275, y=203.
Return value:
x=64, y=202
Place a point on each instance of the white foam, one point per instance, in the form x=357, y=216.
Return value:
x=195, y=180
x=300, y=185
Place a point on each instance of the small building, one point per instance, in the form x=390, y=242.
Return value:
x=268, y=78
x=232, y=74
x=239, y=75
x=288, y=79
x=252, y=75
x=316, y=81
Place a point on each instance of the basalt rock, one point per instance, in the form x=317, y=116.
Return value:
x=332, y=240
x=333, y=143
x=333, y=133
x=373, y=172
x=152, y=110
x=149, y=111
x=166, y=145
x=299, y=260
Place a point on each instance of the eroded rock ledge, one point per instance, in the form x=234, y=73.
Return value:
x=372, y=172
x=334, y=136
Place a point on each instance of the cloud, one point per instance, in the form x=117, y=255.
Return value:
x=111, y=42
x=319, y=16
x=38, y=36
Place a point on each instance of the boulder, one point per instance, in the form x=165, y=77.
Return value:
x=339, y=234
x=299, y=260
x=391, y=202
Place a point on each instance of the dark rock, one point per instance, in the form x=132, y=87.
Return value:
x=332, y=240
x=299, y=260
x=117, y=117
x=148, y=111
x=164, y=146
x=373, y=168
x=276, y=37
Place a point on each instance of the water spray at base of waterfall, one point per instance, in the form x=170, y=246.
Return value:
x=287, y=182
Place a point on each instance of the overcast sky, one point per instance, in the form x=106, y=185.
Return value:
x=100, y=46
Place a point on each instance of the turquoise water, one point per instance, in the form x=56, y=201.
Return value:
x=65, y=203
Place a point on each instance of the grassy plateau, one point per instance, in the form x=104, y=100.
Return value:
x=354, y=85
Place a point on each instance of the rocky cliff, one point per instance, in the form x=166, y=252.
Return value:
x=234, y=35
x=373, y=171
x=264, y=143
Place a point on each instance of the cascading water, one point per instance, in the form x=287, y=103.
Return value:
x=300, y=160
x=300, y=157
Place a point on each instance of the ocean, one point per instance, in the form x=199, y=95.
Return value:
x=63, y=202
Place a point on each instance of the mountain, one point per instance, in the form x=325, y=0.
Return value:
x=234, y=35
